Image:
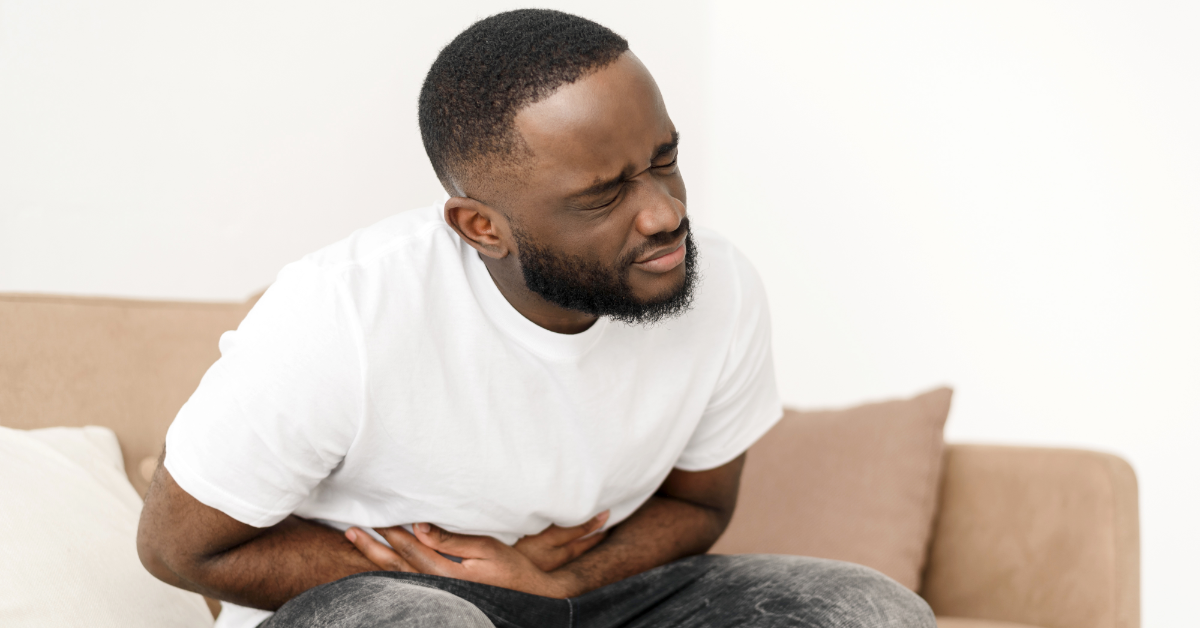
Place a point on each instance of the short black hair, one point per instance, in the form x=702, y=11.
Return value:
x=494, y=68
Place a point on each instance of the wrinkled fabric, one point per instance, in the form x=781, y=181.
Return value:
x=759, y=591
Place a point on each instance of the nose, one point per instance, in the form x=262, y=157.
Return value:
x=661, y=213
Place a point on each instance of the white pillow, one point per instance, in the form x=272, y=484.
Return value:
x=68, y=528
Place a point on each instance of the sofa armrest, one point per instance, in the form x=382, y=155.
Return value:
x=1047, y=537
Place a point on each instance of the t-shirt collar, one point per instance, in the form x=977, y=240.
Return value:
x=503, y=315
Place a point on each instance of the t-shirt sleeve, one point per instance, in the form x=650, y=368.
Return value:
x=745, y=403
x=278, y=411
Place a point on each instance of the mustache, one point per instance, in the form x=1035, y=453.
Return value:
x=658, y=240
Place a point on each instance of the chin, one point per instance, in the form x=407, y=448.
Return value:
x=658, y=287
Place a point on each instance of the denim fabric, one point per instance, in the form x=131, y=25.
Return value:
x=699, y=592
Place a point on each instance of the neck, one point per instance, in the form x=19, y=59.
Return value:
x=532, y=306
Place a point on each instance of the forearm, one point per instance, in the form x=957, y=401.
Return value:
x=270, y=569
x=193, y=546
x=291, y=558
x=664, y=529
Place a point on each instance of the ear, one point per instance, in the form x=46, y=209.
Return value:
x=479, y=225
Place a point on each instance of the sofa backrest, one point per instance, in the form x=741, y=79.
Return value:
x=1037, y=536
x=124, y=364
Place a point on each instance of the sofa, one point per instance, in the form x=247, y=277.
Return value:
x=991, y=536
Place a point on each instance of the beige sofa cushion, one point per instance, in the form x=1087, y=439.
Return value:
x=859, y=485
x=127, y=365
x=68, y=527
x=1047, y=537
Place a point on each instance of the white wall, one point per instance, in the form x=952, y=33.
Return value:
x=189, y=150
x=997, y=195
x=1003, y=196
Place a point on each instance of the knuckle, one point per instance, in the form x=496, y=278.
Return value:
x=406, y=551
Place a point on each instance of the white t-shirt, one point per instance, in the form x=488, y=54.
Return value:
x=385, y=380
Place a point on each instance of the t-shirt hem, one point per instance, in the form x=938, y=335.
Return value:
x=740, y=446
x=209, y=495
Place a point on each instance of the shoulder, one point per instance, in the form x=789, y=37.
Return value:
x=397, y=252
x=406, y=233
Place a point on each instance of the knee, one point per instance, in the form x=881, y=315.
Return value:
x=437, y=608
x=374, y=600
x=869, y=599
x=836, y=594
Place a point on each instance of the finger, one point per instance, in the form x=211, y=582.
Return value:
x=422, y=558
x=461, y=545
x=377, y=552
x=558, y=536
x=578, y=547
x=598, y=521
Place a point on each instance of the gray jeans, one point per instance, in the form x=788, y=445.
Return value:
x=698, y=592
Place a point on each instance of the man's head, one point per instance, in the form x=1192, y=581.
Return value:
x=555, y=146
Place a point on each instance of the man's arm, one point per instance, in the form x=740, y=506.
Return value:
x=192, y=546
x=685, y=517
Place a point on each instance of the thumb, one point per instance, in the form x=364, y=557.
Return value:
x=557, y=536
x=460, y=545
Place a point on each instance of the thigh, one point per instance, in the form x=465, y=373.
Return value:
x=377, y=601
x=403, y=600
x=768, y=591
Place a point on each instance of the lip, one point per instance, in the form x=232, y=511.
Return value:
x=664, y=260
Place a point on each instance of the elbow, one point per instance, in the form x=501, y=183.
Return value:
x=162, y=553
x=718, y=522
x=151, y=550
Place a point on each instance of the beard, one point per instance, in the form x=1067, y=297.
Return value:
x=574, y=283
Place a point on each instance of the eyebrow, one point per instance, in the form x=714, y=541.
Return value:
x=608, y=185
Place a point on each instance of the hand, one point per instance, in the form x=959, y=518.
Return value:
x=484, y=559
x=554, y=547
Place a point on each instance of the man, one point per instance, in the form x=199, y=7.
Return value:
x=526, y=407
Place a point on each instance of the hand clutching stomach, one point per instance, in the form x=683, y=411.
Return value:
x=531, y=565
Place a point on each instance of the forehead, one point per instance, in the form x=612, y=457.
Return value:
x=595, y=128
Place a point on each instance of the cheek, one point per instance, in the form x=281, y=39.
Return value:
x=604, y=243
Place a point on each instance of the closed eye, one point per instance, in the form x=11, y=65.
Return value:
x=606, y=203
x=663, y=151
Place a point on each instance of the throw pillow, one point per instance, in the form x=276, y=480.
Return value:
x=858, y=485
x=68, y=527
